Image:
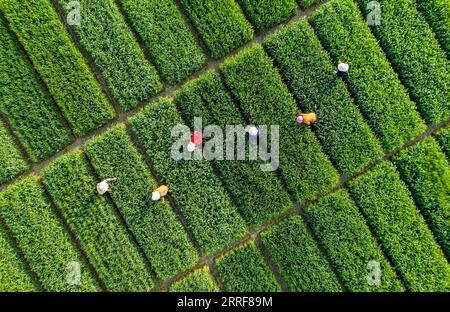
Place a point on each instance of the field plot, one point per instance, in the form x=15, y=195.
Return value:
x=156, y=227
x=166, y=37
x=196, y=189
x=403, y=231
x=358, y=200
x=41, y=236
x=13, y=276
x=221, y=24
x=29, y=109
x=200, y=280
x=265, y=100
x=259, y=195
x=92, y=218
x=11, y=160
x=437, y=13
x=418, y=59
x=107, y=38
x=244, y=270
x=388, y=110
x=265, y=14
x=298, y=257
x=60, y=64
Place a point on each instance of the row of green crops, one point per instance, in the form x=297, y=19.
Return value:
x=317, y=88
x=388, y=110
x=196, y=189
x=437, y=13
x=11, y=160
x=167, y=38
x=221, y=24
x=155, y=225
x=265, y=100
x=244, y=270
x=372, y=81
x=61, y=65
x=106, y=242
x=349, y=243
x=298, y=257
x=418, y=59
x=311, y=77
x=258, y=195
x=42, y=237
x=200, y=280
x=13, y=276
x=30, y=111
x=106, y=37
x=219, y=108
x=396, y=222
x=265, y=14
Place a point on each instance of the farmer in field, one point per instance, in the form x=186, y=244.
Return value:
x=103, y=186
x=196, y=139
x=342, y=70
x=253, y=133
x=308, y=118
x=160, y=192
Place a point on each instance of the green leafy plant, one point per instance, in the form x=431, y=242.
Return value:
x=166, y=37
x=11, y=160
x=244, y=270
x=298, y=257
x=198, y=281
x=265, y=14
x=197, y=191
x=59, y=62
x=155, y=225
x=259, y=195
x=105, y=240
x=42, y=237
x=221, y=24
x=107, y=38
x=265, y=100
x=29, y=109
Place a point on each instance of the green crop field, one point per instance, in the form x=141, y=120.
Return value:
x=114, y=90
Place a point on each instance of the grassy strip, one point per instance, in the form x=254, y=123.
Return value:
x=307, y=3
x=221, y=24
x=30, y=111
x=259, y=195
x=11, y=160
x=244, y=270
x=349, y=242
x=166, y=37
x=309, y=73
x=266, y=101
x=376, y=87
x=42, y=237
x=426, y=171
x=416, y=55
x=196, y=189
x=107, y=38
x=99, y=230
x=60, y=64
x=265, y=14
x=437, y=13
x=13, y=276
x=398, y=224
x=197, y=281
x=155, y=225
x=298, y=258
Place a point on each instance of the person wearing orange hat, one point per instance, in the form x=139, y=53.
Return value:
x=308, y=118
x=161, y=191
